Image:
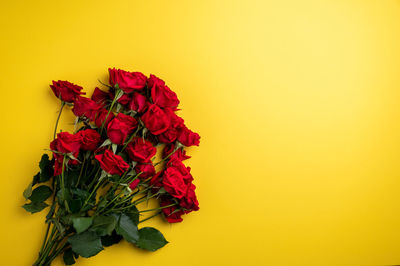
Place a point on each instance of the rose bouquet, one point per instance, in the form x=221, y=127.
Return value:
x=100, y=174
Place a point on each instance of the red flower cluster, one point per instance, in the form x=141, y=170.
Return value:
x=122, y=127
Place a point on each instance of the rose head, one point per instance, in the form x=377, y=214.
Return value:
x=146, y=169
x=174, y=183
x=188, y=137
x=189, y=201
x=90, y=139
x=120, y=127
x=179, y=154
x=155, y=120
x=66, y=91
x=127, y=81
x=65, y=143
x=183, y=170
x=112, y=163
x=171, y=214
x=100, y=97
x=85, y=107
x=134, y=184
x=124, y=99
x=161, y=94
x=140, y=150
x=101, y=116
x=138, y=102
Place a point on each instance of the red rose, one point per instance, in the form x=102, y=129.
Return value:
x=138, y=102
x=90, y=139
x=111, y=163
x=161, y=94
x=173, y=182
x=85, y=107
x=127, y=81
x=66, y=91
x=65, y=143
x=168, y=136
x=134, y=183
x=146, y=170
x=183, y=170
x=176, y=121
x=155, y=120
x=171, y=134
x=170, y=213
x=101, y=116
x=120, y=127
x=100, y=96
x=141, y=150
x=188, y=137
x=124, y=99
x=156, y=181
x=189, y=201
x=179, y=154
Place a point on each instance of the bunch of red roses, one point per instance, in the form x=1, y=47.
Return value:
x=105, y=169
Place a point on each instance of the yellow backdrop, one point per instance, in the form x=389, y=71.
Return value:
x=297, y=103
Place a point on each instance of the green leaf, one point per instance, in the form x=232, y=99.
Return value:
x=51, y=212
x=34, y=207
x=103, y=225
x=107, y=240
x=69, y=257
x=28, y=191
x=150, y=239
x=127, y=228
x=133, y=213
x=86, y=244
x=41, y=194
x=46, y=168
x=36, y=179
x=82, y=223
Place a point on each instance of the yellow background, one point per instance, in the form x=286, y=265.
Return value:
x=297, y=103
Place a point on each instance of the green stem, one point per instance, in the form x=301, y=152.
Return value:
x=117, y=92
x=169, y=155
x=80, y=173
x=148, y=218
x=131, y=137
x=45, y=238
x=159, y=208
x=58, y=118
x=93, y=191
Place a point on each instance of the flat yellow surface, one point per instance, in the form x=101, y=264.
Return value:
x=297, y=103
